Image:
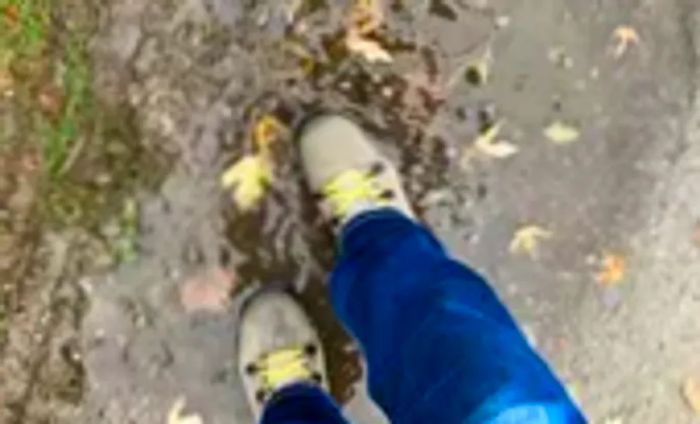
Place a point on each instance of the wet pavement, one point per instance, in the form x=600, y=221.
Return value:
x=198, y=74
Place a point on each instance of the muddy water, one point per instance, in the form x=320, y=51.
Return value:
x=199, y=75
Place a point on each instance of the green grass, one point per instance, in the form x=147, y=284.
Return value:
x=34, y=52
x=60, y=135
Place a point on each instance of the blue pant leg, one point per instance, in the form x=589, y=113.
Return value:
x=302, y=404
x=440, y=346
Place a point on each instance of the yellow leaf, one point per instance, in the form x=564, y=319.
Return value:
x=267, y=130
x=365, y=16
x=613, y=270
x=371, y=50
x=561, y=133
x=624, y=36
x=691, y=391
x=175, y=415
x=249, y=178
x=527, y=239
x=487, y=144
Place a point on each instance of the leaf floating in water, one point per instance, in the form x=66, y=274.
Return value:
x=371, y=50
x=613, y=270
x=175, y=415
x=691, y=392
x=249, y=179
x=366, y=16
x=267, y=131
x=526, y=240
x=488, y=144
x=561, y=133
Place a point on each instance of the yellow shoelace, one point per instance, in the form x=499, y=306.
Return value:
x=283, y=366
x=344, y=191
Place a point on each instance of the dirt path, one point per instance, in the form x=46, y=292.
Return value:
x=195, y=76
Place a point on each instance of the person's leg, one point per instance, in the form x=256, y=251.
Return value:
x=281, y=363
x=440, y=346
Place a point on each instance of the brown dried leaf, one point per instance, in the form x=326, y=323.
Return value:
x=624, y=36
x=11, y=13
x=613, y=270
x=691, y=392
x=208, y=291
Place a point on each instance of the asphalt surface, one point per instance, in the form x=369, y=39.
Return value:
x=196, y=74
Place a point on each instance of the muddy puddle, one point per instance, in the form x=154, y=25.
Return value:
x=200, y=76
x=284, y=242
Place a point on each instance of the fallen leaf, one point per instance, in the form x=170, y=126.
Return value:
x=11, y=13
x=624, y=36
x=696, y=235
x=366, y=16
x=175, y=415
x=208, y=291
x=488, y=144
x=267, y=130
x=561, y=133
x=526, y=240
x=614, y=420
x=371, y=50
x=691, y=392
x=613, y=270
x=249, y=178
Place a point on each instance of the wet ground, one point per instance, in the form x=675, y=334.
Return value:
x=190, y=79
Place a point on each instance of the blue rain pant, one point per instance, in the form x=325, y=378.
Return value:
x=440, y=346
